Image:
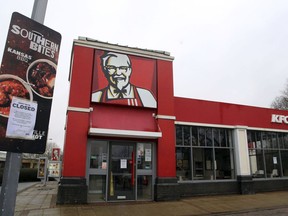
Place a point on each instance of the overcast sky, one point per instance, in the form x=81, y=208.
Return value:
x=233, y=51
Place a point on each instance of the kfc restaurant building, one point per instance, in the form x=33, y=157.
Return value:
x=128, y=138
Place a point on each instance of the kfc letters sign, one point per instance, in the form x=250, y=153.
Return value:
x=279, y=119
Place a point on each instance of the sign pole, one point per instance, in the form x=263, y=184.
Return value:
x=13, y=160
x=10, y=183
x=39, y=10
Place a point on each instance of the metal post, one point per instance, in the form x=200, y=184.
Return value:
x=39, y=10
x=10, y=183
x=13, y=160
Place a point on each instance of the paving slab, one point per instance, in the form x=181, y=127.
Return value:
x=41, y=200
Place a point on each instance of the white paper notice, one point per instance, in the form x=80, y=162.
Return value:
x=123, y=164
x=22, y=118
x=148, y=155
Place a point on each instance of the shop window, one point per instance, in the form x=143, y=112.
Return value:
x=225, y=138
x=209, y=136
x=284, y=160
x=274, y=141
x=144, y=171
x=183, y=163
x=209, y=155
x=97, y=184
x=272, y=163
x=269, y=140
x=195, y=141
x=283, y=140
x=144, y=187
x=216, y=137
x=179, y=135
x=268, y=154
x=224, y=164
x=266, y=141
x=257, y=163
x=203, y=168
x=98, y=155
x=144, y=156
x=187, y=135
x=202, y=136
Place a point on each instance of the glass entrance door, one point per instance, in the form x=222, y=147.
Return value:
x=121, y=180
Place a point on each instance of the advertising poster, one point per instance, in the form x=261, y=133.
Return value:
x=42, y=167
x=27, y=77
x=124, y=79
x=54, y=169
x=55, y=154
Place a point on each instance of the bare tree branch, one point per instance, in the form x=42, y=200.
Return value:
x=281, y=102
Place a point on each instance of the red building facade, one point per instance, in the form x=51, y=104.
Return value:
x=129, y=138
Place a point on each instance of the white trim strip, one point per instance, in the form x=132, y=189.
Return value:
x=267, y=129
x=124, y=49
x=204, y=124
x=124, y=133
x=79, y=109
x=229, y=126
x=165, y=117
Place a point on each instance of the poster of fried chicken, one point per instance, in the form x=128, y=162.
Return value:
x=28, y=72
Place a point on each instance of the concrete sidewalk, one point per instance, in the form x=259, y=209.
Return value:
x=41, y=200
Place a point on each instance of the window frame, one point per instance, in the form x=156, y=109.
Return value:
x=272, y=145
x=202, y=139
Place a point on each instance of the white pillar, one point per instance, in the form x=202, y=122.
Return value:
x=241, y=151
